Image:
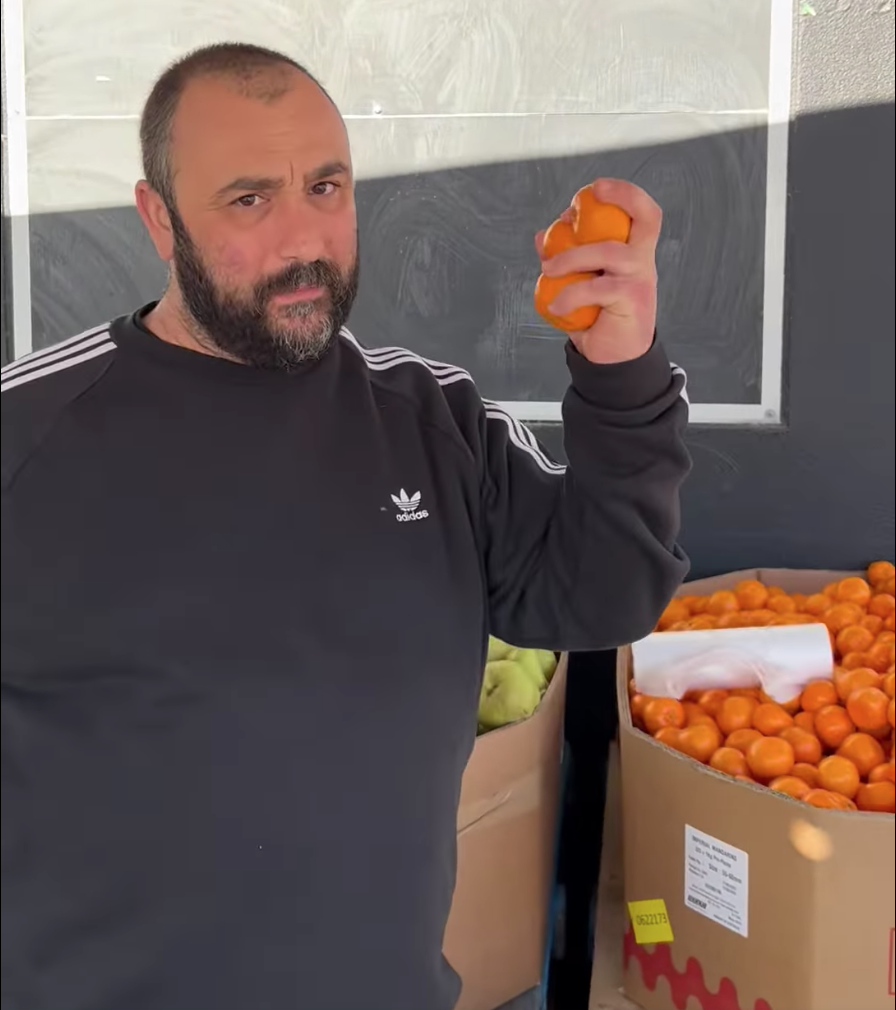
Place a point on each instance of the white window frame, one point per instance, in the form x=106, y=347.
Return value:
x=766, y=412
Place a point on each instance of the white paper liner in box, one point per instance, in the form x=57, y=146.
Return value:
x=780, y=660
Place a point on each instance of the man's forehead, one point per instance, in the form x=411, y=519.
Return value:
x=226, y=124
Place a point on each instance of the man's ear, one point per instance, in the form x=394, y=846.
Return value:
x=154, y=214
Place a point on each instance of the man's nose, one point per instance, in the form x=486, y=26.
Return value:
x=300, y=232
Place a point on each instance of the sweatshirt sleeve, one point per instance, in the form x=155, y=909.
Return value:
x=584, y=557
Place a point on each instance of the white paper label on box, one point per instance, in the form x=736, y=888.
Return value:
x=716, y=882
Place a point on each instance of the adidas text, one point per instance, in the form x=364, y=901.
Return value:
x=409, y=517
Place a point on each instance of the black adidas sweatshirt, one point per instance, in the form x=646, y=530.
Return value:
x=243, y=631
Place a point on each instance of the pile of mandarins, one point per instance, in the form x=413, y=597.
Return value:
x=833, y=745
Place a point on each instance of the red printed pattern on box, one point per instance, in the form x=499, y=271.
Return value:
x=657, y=963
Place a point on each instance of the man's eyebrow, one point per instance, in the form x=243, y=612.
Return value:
x=267, y=184
x=252, y=184
x=326, y=170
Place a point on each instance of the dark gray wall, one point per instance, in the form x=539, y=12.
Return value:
x=819, y=491
x=448, y=264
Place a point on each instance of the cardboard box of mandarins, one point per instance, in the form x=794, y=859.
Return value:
x=498, y=929
x=741, y=897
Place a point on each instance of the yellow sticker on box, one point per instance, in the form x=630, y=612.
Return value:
x=650, y=921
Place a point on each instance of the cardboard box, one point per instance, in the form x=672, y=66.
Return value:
x=816, y=934
x=497, y=931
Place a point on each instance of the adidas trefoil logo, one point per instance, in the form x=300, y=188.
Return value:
x=409, y=507
x=405, y=503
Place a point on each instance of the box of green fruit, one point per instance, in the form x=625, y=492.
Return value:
x=513, y=683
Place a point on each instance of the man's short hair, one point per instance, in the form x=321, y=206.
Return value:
x=251, y=68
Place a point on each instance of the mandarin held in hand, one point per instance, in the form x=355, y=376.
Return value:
x=590, y=221
x=595, y=221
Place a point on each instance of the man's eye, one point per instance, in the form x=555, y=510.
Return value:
x=323, y=188
x=248, y=200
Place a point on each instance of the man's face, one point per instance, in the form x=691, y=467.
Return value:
x=263, y=237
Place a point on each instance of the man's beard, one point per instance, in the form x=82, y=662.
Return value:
x=242, y=327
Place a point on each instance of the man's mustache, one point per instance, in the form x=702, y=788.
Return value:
x=316, y=274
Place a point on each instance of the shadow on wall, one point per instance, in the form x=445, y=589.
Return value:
x=448, y=268
x=448, y=263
